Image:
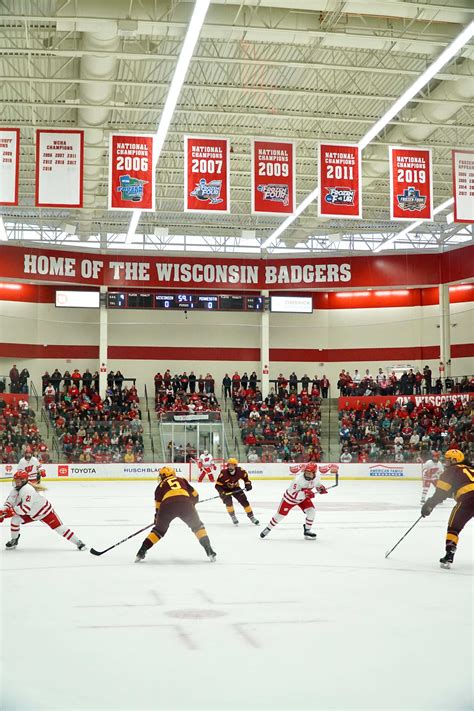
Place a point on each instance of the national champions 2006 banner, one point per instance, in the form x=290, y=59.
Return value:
x=463, y=186
x=273, y=177
x=411, y=190
x=59, y=168
x=9, y=164
x=206, y=174
x=340, y=192
x=131, y=172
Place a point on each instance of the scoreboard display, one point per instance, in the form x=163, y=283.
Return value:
x=184, y=301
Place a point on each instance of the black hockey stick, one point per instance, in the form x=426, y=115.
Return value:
x=333, y=486
x=106, y=550
x=404, y=536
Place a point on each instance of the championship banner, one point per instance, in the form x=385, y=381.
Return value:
x=59, y=168
x=131, y=172
x=463, y=186
x=206, y=174
x=273, y=177
x=9, y=165
x=411, y=184
x=340, y=186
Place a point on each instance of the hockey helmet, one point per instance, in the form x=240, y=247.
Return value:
x=20, y=478
x=454, y=455
x=165, y=472
x=232, y=462
x=309, y=470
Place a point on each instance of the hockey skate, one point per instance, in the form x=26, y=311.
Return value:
x=235, y=520
x=140, y=556
x=211, y=554
x=81, y=546
x=265, y=532
x=12, y=543
x=308, y=533
x=447, y=559
x=255, y=521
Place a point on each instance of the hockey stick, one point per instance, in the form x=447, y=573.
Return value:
x=333, y=486
x=404, y=536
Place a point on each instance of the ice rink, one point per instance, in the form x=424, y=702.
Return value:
x=280, y=623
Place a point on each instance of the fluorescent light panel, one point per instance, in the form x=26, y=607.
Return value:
x=182, y=66
x=417, y=85
x=412, y=227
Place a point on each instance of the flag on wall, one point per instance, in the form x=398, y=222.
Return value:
x=206, y=174
x=411, y=188
x=9, y=165
x=463, y=186
x=273, y=177
x=340, y=189
x=59, y=168
x=131, y=172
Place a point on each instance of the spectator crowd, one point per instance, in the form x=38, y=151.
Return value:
x=18, y=430
x=184, y=393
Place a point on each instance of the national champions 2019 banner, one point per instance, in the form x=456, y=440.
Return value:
x=411, y=184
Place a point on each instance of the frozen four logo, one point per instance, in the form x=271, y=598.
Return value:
x=131, y=189
x=208, y=191
x=275, y=193
x=340, y=196
x=411, y=200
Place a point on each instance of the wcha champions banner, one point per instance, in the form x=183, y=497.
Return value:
x=131, y=172
x=9, y=165
x=206, y=174
x=340, y=186
x=463, y=186
x=59, y=168
x=273, y=177
x=411, y=189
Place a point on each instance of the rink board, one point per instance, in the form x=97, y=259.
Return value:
x=149, y=471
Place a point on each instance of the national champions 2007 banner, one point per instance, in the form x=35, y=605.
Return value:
x=463, y=186
x=131, y=172
x=340, y=186
x=273, y=177
x=206, y=174
x=59, y=168
x=411, y=189
x=9, y=165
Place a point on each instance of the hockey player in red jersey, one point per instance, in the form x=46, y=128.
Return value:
x=32, y=466
x=206, y=466
x=25, y=505
x=431, y=472
x=299, y=493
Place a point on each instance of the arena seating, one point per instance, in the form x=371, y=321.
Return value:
x=90, y=429
x=18, y=430
x=404, y=433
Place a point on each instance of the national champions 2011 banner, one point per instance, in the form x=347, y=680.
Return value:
x=340, y=185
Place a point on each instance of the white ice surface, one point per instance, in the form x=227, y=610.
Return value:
x=279, y=623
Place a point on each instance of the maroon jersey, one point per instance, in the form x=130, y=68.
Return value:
x=229, y=481
x=174, y=486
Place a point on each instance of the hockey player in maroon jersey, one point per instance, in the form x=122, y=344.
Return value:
x=175, y=498
x=228, y=488
x=25, y=505
x=457, y=480
x=299, y=493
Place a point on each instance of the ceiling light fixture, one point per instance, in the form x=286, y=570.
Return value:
x=192, y=35
x=411, y=227
x=407, y=96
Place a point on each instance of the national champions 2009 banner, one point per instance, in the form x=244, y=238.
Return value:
x=273, y=177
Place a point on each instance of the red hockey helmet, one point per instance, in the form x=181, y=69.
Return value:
x=20, y=478
x=309, y=470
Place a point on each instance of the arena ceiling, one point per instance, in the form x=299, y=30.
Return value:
x=305, y=70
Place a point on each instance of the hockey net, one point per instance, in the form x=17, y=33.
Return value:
x=195, y=471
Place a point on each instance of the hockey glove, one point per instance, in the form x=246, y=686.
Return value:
x=426, y=509
x=309, y=494
x=6, y=513
x=248, y=486
x=322, y=489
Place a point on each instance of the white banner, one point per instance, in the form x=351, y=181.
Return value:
x=9, y=165
x=463, y=186
x=149, y=471
x=59, y=168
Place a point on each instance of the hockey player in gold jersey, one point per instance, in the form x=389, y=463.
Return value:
x=457, y=480
x=175, y=498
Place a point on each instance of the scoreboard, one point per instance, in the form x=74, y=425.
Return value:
x=184, y=301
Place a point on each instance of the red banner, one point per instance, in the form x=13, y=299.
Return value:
x=9, y=165
x=206, y=174
x=131, y=172
x=232, y=273
x=340, y=187
x=463, y=186
x=273, y=177
x=411, y=188
x=361, y=403
x=59, y=168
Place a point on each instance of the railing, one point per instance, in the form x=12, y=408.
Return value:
x=45, y=419
x=55, y=447
x=34, y=393
x=56, y=382
x=230, y=421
